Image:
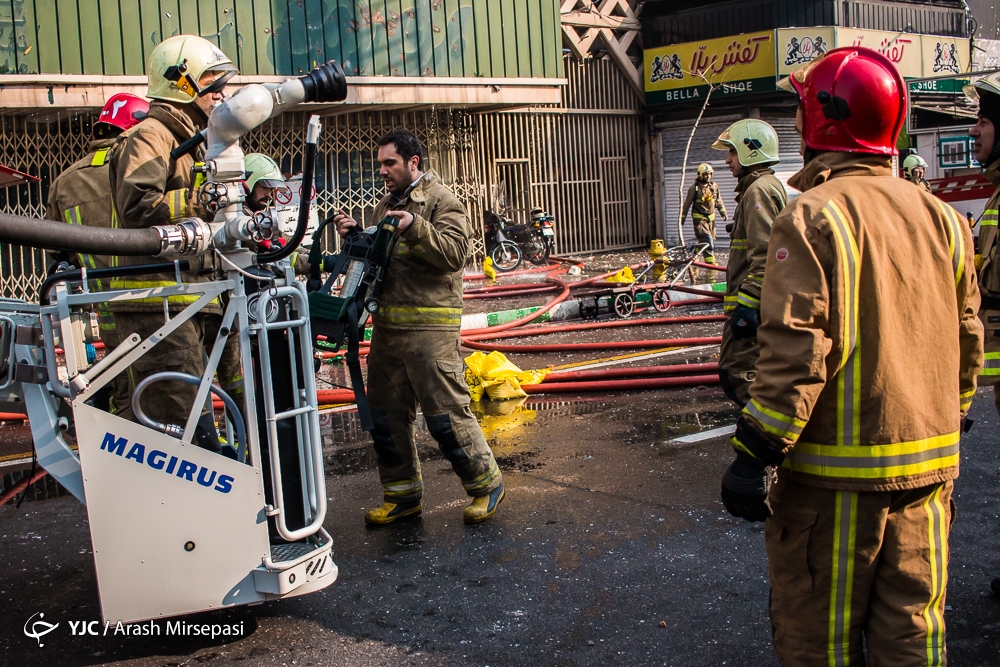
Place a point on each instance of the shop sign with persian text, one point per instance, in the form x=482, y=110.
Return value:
x=728, y=66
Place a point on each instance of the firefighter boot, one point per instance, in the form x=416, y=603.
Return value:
x=389, y=512
x=483, y=507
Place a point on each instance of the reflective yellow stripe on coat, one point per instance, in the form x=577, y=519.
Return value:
x=415, y=315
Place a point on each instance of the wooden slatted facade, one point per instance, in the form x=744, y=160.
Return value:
x=443, y=38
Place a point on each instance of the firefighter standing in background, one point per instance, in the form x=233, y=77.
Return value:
x=987, y=148
x=415, y=358
x=81, y=195
x=914, y=167
x=187, y=75
x=703, y=199
x=867, y=440
x=753, y=149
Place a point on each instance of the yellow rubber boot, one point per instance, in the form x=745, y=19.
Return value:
x=484, y=507
x=389, y=512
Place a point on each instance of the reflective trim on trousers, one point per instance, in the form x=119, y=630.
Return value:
x=403, y=488
x=937, y=539
x=875, y=461
x=842, y=578
x=482, y=482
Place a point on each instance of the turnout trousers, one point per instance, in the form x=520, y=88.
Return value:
x=858, y=572
x=737, y=365
x=409, y=369
x=704, y=232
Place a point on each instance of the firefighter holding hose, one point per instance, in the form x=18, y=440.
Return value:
x=867, y=367
x=414, y=359
x=187, y=75
x=81, y=195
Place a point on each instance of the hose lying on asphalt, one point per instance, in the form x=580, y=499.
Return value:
x=37, y=233
x=633, y=372
x=612, y=324
x=621, y=385
x=590, y=347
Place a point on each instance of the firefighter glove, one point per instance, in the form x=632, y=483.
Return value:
x=744, y=488
x=744, y=322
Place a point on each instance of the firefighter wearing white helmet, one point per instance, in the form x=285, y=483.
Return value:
x=914, y=168
x=186, y=78
x=703, y=200
x=752, y=147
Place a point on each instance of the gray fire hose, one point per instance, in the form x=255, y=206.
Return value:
x=177, y=431
x=37, y=233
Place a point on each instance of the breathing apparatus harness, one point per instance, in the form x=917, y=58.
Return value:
x=339, y=312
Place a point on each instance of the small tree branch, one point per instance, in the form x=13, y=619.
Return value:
x=687, y=150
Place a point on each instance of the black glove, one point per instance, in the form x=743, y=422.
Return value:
x=744, y=322
x=744, y=488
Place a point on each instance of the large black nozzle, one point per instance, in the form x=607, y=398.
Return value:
x=326, y=83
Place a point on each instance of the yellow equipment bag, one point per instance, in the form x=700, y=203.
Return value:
x=624, y=276
x=495, y=376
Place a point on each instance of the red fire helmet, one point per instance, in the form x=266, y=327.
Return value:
x=122, y=111
x=853, y=99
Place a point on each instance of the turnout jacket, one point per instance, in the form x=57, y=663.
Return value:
x=149, y=188
x=988, y=255
x=705, y=199
x=81, y=195
x=869, y=341
x=422, y=288
x=759, y=198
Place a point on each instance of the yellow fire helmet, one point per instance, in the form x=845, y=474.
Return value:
x=912, y=161
x=754, y=141
x=262, y=169
x=989, y=83
x=705, y=168
x=178, y=63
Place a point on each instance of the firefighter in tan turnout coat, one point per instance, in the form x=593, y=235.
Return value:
x=187, y=75
x=81, y=195
x=415, y=359
x=753, y=147
x=865, y=440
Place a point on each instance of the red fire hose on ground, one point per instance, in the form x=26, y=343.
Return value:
x=24, y=483
x=620, y=385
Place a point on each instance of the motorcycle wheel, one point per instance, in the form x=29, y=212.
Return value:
x=506, y=256
x=537, y=251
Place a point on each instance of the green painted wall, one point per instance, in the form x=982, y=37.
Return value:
x=457, y=38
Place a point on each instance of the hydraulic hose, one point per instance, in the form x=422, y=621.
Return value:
x=37, y=233
x=590, y=347
x=635, y=371
x=620, y=385
x=305, y=201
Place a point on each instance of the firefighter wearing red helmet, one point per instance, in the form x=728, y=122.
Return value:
x=81, y=195
x=864, y=442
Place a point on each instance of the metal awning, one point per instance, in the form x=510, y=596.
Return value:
x=10, y=177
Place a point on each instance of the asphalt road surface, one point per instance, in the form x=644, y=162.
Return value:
x=612, y=548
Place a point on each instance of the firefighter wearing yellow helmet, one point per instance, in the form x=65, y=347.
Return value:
x=703, y=200
x=752, y=147
x=186, y=78
x=914, y=168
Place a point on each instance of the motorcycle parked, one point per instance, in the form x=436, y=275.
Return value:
x=508, y=242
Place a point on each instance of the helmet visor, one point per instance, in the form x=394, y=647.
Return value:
x=227, y=72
